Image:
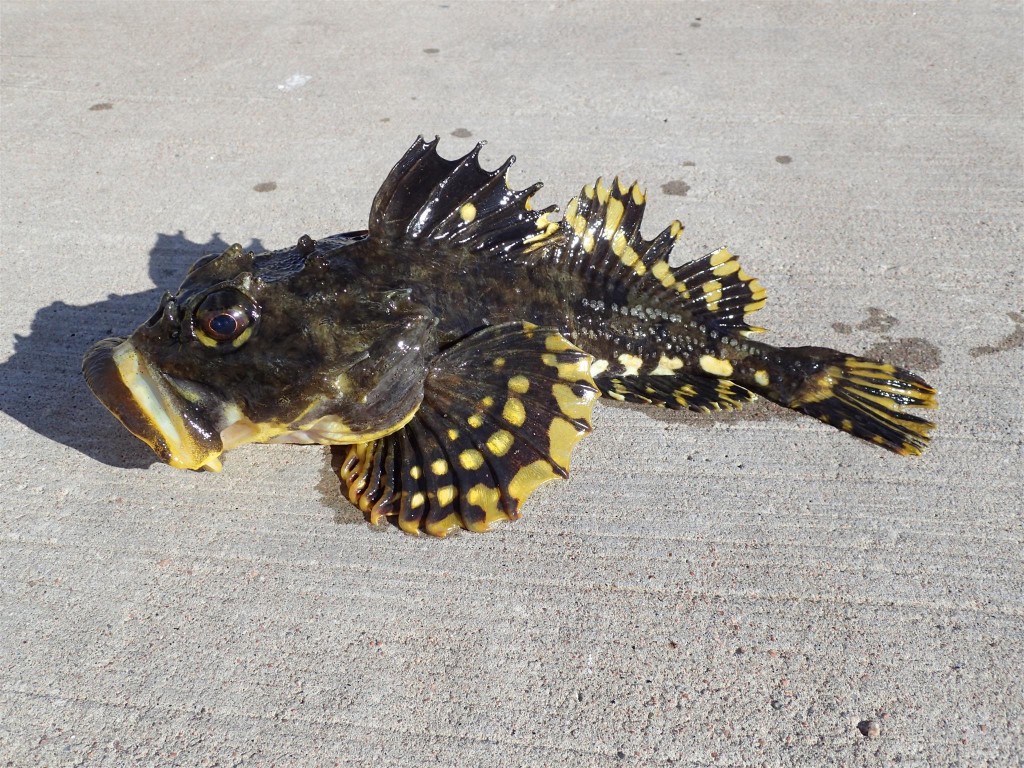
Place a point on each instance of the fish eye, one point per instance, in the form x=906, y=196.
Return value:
x=225, y=316
x=224, y=324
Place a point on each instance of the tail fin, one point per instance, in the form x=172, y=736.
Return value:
x=864, y=398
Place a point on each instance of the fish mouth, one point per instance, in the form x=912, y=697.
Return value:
x=153, y=410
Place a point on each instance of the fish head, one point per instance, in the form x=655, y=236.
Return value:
x=289, y=346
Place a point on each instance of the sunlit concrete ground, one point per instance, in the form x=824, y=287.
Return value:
x=755, y=589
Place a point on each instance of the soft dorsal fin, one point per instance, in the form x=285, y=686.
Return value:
x=501, y=413
x=456, y=203
x=603, y=241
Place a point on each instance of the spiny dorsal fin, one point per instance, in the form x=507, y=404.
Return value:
x=603, y=241
x=502, y=412
x=456, y=203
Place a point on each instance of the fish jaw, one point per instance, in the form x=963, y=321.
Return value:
x=178, y=431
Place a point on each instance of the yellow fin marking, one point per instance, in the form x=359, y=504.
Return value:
x=712, y=293
x=442, y=528
x=719, y=257
x=439, y=467
x=572, y=371
x=556, y=343
x=487, y=499
x=528, y=478
x=715, y=366
x=613, y=215
x=639, y=267
x=569, y=403
x=727, y=269
x=409, y=526
x=468, y=212
x=471, y=458
x=631, y=363
x=445, y=495
x=667, y=366
x=500, y=442
x=519, y=384
x=619, y=244
x=577, y=222
x=562, y=436
x=514, y=412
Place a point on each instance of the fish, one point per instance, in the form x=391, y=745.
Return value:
x=453, y=351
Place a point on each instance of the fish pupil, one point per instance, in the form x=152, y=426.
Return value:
x=223, y=325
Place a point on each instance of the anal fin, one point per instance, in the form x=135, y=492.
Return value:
x=501, y=413
x=676, y=391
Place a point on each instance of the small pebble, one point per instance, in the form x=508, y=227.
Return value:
x=869, y=728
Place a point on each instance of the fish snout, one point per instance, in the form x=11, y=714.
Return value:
x=150, y=407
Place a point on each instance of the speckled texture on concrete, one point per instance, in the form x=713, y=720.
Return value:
x=750, y=590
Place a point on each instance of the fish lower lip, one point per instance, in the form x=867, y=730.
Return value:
x=141, y=398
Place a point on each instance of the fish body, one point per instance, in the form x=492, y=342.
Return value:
x=455, y=348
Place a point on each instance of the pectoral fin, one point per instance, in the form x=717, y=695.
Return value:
x=502, y=411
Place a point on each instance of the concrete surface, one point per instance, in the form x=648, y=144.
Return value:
x=749, y=590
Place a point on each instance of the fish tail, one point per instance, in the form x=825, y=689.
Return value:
x=863, y=397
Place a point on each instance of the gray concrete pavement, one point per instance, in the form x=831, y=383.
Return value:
x=748, y=590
